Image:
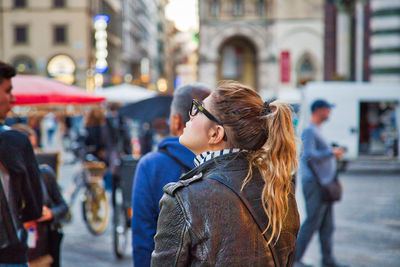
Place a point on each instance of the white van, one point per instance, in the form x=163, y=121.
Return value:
x=365, y=119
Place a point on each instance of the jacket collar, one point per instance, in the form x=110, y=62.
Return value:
x=222, y=160
x=206, y=156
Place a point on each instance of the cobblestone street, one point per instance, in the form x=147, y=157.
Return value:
x=367, y=226
x=367, y=221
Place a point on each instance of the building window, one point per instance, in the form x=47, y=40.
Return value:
x=60, y=34
x=238, y=9
x=215, y=8
x=58, y=3
x=306, y=71
x=19, y=3
x=260, y=8
x=21, y=34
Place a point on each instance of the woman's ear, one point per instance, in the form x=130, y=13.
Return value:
x=216, y=135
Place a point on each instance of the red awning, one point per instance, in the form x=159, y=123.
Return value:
x=37, y=90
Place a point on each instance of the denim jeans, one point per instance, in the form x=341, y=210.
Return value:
x=319, y=218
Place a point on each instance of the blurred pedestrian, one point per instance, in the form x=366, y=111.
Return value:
x=118, y=142
x=322, y=157
x=95, y=139
x=48, y=245
x=50, y=124
x=237, y=207
x=158, y=168
x=21, y=185
x=34, y=123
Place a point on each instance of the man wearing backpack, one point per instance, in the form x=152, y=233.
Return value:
x=158, y=168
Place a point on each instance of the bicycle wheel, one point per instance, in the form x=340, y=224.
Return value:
x=95, y=209
x=120, y=228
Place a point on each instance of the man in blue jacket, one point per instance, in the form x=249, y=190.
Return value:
x=158, y=168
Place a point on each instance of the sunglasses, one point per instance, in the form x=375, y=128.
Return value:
x=197, y=107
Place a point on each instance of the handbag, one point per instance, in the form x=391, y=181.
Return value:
x=332, y=191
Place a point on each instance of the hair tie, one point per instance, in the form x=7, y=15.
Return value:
x=266, y=107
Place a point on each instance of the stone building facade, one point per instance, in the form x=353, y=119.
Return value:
x=49, y=37
x=268, y=45
x=57, y=38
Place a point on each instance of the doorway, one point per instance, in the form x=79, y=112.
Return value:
x=238, y=61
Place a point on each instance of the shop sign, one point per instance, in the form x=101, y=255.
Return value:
x=62, y=68
x=100, y=36
x=285, y=66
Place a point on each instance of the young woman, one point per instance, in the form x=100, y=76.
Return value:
x=237, y=207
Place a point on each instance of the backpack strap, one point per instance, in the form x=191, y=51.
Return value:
x=252, y=213
x=180, y=163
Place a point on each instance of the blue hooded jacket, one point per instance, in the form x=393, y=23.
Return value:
x=154, y=170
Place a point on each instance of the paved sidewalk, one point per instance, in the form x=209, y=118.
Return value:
x=367, y=221
x=371, y=164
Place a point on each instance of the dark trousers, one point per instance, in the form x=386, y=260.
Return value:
x=319, y=218
x=55, y=247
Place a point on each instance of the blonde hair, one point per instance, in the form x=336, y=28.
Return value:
x=266, y=131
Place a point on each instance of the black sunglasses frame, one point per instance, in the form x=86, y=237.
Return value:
x=200, y=108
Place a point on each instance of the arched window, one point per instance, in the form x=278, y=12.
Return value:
x=306, y=66
x=305, y=70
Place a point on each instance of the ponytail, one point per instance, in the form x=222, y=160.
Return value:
x=276, y=163
x=266, y=131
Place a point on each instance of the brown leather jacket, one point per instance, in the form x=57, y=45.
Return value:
x=203, y=223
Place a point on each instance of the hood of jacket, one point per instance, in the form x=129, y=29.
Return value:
x=172, y=145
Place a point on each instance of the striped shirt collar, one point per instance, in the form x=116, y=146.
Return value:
x=206, y=156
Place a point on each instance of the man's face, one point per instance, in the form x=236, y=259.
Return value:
x=324, y=113
x=6, y=98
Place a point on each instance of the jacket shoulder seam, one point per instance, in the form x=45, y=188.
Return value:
x=171, y=188
x=187, y=223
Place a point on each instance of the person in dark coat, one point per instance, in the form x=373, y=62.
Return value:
x=158, y=168
x=49, y=225
x=118, y=143
x=55, y=210
x=95, y=141
x=18, y=159
x=237, y=207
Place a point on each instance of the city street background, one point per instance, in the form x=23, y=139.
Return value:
x=367, y=223
x=118, y=52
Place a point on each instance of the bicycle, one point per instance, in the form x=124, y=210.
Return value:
x=122, y=207
x=94, y=202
